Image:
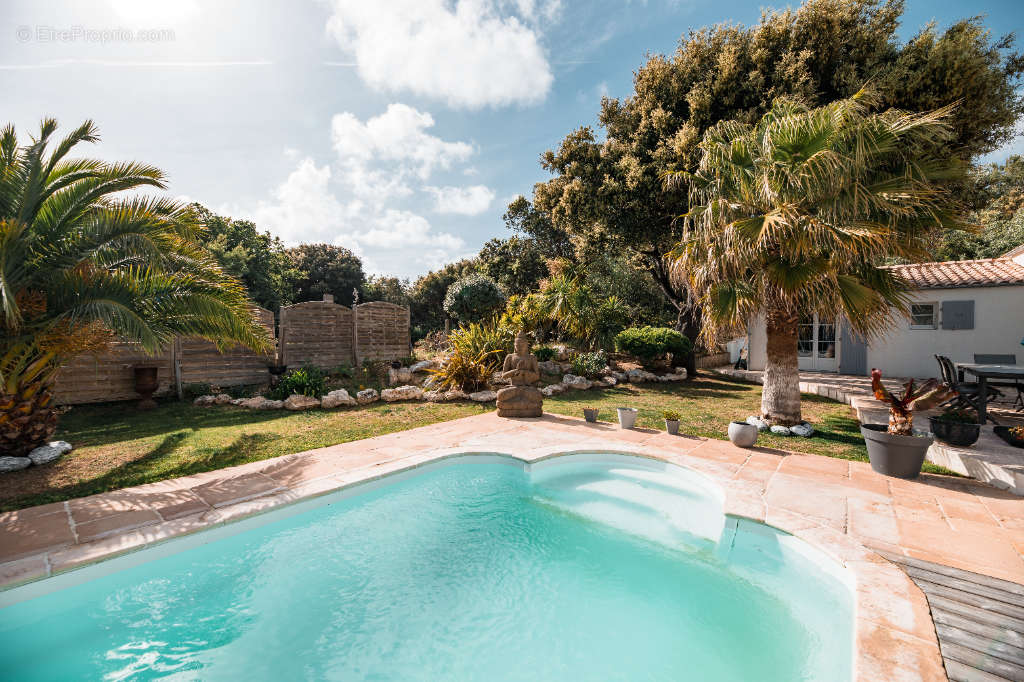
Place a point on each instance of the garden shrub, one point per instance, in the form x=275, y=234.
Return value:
x=648, y=343
x=190, y=392
x=307, y=380
x=474, y=298
x=545, y=353
x=589, y=364
x=464, y=370
x=473, y=339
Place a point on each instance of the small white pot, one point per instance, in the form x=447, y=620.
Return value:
x=742, y=434
x=627, y=417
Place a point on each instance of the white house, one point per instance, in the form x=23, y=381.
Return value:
x=960, y=309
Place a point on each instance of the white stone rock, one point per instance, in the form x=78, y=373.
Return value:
x=222, y=399
x=574, y=382
x=400, y=376
x=49, y=452
x=204, y=400
x=780, y=430
x=639, y=376
x=271, y=405
x=456, y=394
x=422, y=366
x=672, y=377
x=237, y=401
x=391, y=395
x=337, y=398
x=367, y=396
x=483, y=396
x=253, y=403
x=550, y=367
x=802, y=429
x=761, y=424
x=609, y=380
x=14, y=464
x=553, y=389
x=619, y=376
x=298, y=402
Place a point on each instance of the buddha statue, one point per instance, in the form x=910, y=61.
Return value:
x=521, y=399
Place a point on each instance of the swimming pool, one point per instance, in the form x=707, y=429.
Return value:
x=590, y=567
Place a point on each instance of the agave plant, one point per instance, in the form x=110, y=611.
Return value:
x=913, y=397
x=82, y=264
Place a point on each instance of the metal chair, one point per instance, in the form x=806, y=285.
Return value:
x=1003, y=359
x=967, y=393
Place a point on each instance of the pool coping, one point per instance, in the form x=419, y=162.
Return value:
x=895, y=637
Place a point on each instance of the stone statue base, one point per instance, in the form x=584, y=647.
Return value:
x=520, y=401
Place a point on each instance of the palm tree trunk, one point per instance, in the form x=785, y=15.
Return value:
x=28, y=418
x=780, y=397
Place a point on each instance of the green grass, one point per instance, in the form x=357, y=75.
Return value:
x=117, y=446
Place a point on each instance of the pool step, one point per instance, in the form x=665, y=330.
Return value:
x=656, y=505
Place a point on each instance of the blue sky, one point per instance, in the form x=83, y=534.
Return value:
x=400, y=129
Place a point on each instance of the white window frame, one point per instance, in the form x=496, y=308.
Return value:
x=935, y=315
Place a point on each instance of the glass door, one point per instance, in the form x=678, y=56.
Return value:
x=816, y=344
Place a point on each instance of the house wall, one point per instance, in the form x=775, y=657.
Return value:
x=998, y=328
x=905, y=352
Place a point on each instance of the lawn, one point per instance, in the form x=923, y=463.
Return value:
x=117, y=446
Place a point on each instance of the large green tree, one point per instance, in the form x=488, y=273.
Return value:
x=326, y=269
x=80, y=263
x=998, y=195
x=792, y=215
x=516, y=263
x=427, y=293
x=606, y=191
x=256, y=258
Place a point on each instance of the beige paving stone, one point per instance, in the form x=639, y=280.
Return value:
x=887, y=596
x=22, y=537
x=919, y=509
x=819, y=499
x=888, y=655
x=872, y=521
x=123, y=521
x=23, y=570
x=236, y=489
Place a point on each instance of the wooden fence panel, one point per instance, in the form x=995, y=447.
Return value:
x=110, y=375
x=382, y=331
x=200, y=361
x=317, y=333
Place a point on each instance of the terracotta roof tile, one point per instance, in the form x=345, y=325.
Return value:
x=988, y=272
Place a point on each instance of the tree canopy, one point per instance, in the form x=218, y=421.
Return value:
x=609, y=192
x=326, y=269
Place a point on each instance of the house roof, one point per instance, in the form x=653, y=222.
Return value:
x=986, y=272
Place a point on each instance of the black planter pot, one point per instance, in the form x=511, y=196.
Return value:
x=1004, y=433
x=955, y=433
x=891, y=455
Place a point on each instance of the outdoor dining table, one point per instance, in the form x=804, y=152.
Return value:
x=984, y=374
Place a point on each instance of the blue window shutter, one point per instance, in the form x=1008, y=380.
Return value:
x=958, y=314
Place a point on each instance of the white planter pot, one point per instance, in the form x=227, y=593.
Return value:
x=627, y=417
x=742, y=434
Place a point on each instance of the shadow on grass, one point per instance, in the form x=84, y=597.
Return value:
x=148, y=469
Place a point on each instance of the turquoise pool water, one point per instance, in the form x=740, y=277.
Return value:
x=596, y=568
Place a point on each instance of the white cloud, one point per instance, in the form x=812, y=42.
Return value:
x=353, y=200
x=471, y=54
x=396, y=135
x=472, y=200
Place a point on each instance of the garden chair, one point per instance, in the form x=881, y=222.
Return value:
x=966, y=392
x=1000, y=359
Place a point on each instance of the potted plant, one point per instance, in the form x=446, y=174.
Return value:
x=1014, y=435
x=627, y=417
x=742, y=434
x=956, y=426
x=671, y=422
x=895, y=450
x=590, y=414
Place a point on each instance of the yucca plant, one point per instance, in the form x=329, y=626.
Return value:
x=464, y=370
x=913, y=397
x=795, y=215
x=474, y=339
x=81, y=264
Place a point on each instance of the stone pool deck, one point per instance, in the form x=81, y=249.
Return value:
x=839, y=506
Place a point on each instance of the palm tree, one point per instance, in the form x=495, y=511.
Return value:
x=81, y=263
x=796, y=214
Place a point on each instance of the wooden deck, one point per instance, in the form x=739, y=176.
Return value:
x=979, y=620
